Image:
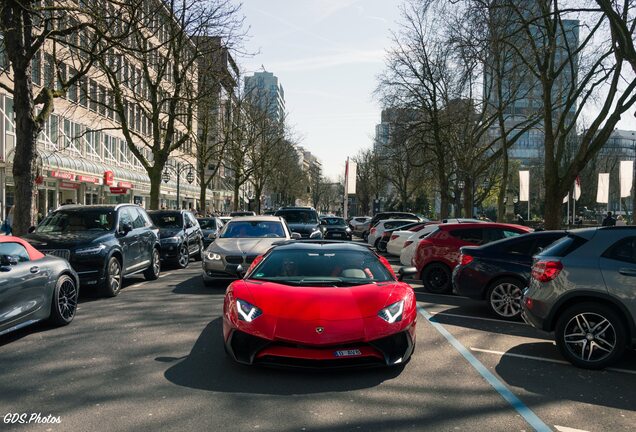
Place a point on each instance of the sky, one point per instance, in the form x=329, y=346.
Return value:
x=327, y=55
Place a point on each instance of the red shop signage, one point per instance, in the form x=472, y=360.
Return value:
x=63, y=175
x=118, y=190
x=87, y=179
x=69, y=185
x=126, y=185
x=109, y=178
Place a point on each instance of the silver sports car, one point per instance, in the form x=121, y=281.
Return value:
x=240, y=242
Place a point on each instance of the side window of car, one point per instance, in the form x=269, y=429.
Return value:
x=524, y=247
x=543, y=242
x=474, y=235
x=124, y=217
x=623, y=250
x=138, y=218
x=15, y=250
x=510, y=234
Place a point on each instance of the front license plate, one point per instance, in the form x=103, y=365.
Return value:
x=336, y=235
x=348, y=353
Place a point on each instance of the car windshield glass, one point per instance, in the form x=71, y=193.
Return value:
x=299, y=216
x=167, y=220
x=207, y=223
x=78, y=220
x=334, y=221
x=311, y=267
x=246, y=229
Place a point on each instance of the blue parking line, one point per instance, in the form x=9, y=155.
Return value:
x=532, y=419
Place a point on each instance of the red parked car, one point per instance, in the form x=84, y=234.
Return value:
x=438, y=253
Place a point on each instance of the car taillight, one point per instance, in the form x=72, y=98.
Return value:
x=465, y=259
x=545, y=271
x=408, y=243
x=373, y=230
x=394, y=236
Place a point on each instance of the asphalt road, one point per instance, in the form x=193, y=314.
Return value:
x=152, y=359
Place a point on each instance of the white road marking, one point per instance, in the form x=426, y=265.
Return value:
x=568, y=429
x=544, y=359
x=165, y=274
x=479, y=318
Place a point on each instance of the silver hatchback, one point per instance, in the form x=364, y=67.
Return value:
x=583, y=288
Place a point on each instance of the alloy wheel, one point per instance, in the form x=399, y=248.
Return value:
x=590, y=337
x=114, y=275
x=505, y=300
x=67, y=299
x=184, y=257
x=156, y=261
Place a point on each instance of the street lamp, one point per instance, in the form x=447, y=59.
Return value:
x=178, y=169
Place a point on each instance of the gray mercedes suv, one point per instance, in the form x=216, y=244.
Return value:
x=583, y=288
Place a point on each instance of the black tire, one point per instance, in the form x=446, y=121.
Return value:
x=183, y=259
x=436, y=278
x=602, y=341
x=199, y=255
x=64, y=301
x=381, y=247
x=504, y=298
x=376, y=244
x=153, y=270
x=365, y=236
x=113, y=281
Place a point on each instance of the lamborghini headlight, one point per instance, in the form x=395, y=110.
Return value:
x=246, y=311
x=392, y=313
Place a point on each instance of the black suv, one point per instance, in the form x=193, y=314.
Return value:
x=180, y=234
x=103, y=243
x=301, y=220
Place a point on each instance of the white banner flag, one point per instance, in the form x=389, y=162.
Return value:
x=567, y=198
x=524, y=185
x=627, y=175
x=351, y=178
x=602, y=193
x=577, y=188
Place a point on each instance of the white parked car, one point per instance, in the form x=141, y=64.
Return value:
x=375, y=234
x=398, y=238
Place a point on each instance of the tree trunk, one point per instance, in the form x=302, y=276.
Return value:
x=468, y=198
x=235, y=202
x=501, y=206
x=25, y=157
x=155, y=187
x=257, y=199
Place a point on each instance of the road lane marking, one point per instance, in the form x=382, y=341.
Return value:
x=568, y=429
x=544, y=359
x=529, y=416
x=165, y=274
x=479, y=318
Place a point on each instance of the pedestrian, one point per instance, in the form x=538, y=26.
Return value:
x=609, y=220
x=620, y=221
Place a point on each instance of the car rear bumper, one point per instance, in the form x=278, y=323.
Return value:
x=466, y=284
x=392, y=350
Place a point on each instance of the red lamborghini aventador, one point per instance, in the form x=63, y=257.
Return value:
x=320, y=304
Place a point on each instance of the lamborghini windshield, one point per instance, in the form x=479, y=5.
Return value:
x=313, y=267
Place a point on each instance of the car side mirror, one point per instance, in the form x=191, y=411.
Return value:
x=240, y=271
x=125, y=228
x=404, y=272
x=31, y=229
x=212, y=236
x=296, y=236
x=8, y=260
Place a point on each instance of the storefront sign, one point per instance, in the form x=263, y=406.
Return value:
x=87, y=179
x=63, y=175
x=118, y=190
x=126, y=185
x=109, y=178
x=68, y=185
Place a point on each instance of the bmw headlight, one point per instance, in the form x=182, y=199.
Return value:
x=211, y=256
x=212, y=236
x=171, y=240
x=246, y=311
x=316, y=234
x=347, y=230
x=90, y=250
x=392, y=313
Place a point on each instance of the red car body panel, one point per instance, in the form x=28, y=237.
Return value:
x=34, y=254
x=442, y=247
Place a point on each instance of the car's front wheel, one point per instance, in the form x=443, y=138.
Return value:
x=590, y=335
x=184, y=257
x=64, y=301
x=436, y=278
x=153, y=270
x=113, y=279
x=504, y=298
